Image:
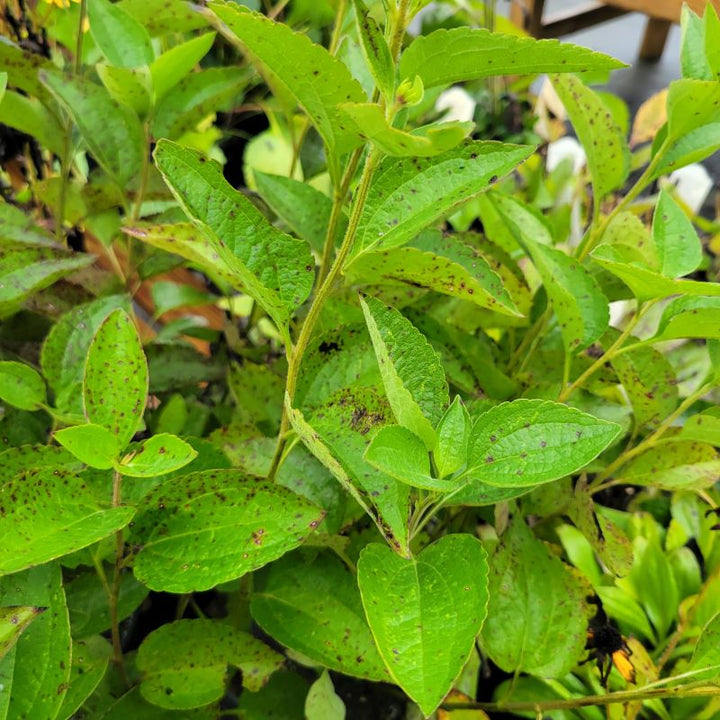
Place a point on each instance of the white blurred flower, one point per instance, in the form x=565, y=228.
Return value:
x=693, y=184
x=457, y=102
x=565, y=147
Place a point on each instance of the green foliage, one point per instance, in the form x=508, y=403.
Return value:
x=339, y=408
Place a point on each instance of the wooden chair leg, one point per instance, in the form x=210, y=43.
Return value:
x=653, y=44
x=527, y=14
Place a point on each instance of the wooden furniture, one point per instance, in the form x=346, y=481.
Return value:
x=528, y=14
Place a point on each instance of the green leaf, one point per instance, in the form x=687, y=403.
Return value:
x=537, y=615
x=580, y=305
x=189, y=242
x=630, y=232
x=674, y=465
x=653, y=581
x=304, y=209
x=128, y=87
x=322, y=703
x=707, y=652
x=23, y=67
x=704, y=427
x=693, y=59
x=3, y=85
x=608, y=156
x=692, y=147
x=425, y=612
x=368, y=121
x=645, y=283
x=402, y=455
x=689, y=317
x=121, y=39
x=691, y=104
x=30, y=116
x=649, y=381
x=90, y=659
x=607, y=539
x=184, y=664
x=307, y=72
x=35, y=673
x=453, y=433
x=338, y=435
x=528, y=442
x=411, y=370
x=196, y=97
x=711, y=24
x=55, y=512
x=111, y=131
x=168, y=295
x=158, y=455
x=92, y=444
x=21, y=386
x=215, y=526
x=174, y=64
x=26, y=270
x=115, y=387
x=13, y=622
x=275, y=269
x=376, y=51
x=445, y=57
x=677, y=245
x=66, y=346
x=314, y=608
x=408, y=194
x=162, y=18
x=444, y=264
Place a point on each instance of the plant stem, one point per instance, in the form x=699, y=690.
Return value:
x=336, y=214
x=327, y=282
x=606, y=356
x=597, y=230
x=323, y=293
x=115, y=588
x=66, y=160
x=651, y=439
x=624, y=696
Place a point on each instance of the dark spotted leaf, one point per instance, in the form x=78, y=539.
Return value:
x=450, y=56
x=158, y=455
x=274, y=268
x=47, y=513
x=411, y=370
x=35, y=673
x=293, y=63
x=13, y=622
x=529, y=442
x=184, y=664
x=444, y=264
x=674, y=465
x=608, y=156
x=116, y=377
x=408, y=194
x=215, y=526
